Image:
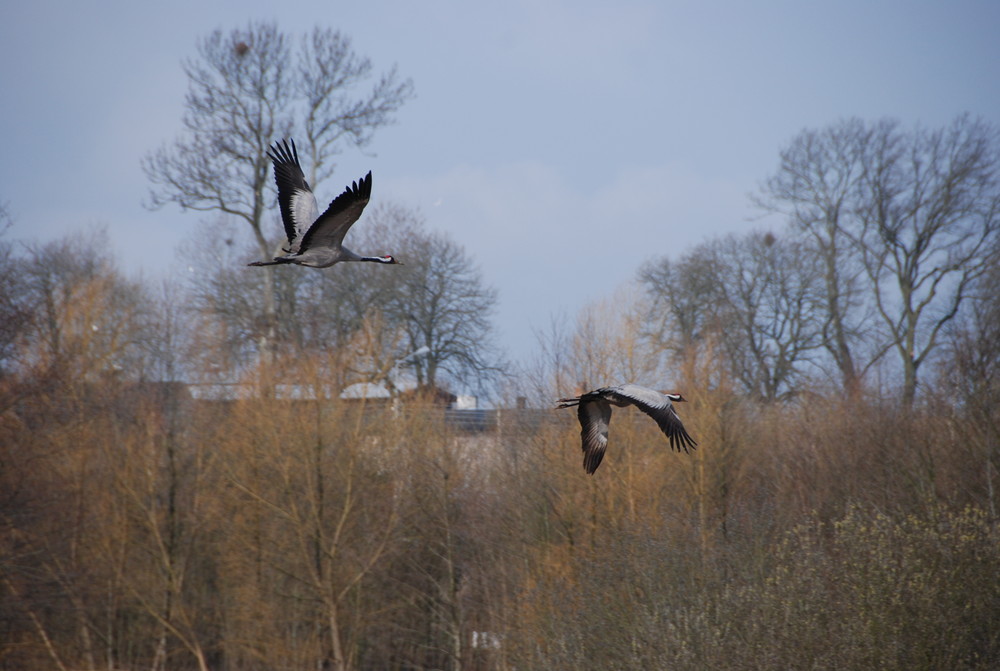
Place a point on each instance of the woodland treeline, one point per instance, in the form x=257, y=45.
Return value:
x=840, y=511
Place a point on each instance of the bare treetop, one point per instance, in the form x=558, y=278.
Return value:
x=904, y=220
x=248, y=87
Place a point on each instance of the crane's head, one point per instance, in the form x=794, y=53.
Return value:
x=676, y=398
x=388, y=258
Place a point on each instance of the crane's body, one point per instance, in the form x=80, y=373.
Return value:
x=315, y=240
x=594, y=413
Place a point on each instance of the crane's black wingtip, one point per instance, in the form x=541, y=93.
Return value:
x=281, y=152
x=685, y=443
x=363, y=187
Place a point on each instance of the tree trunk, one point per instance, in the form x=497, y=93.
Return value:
x=909, y=379
x=336, y=648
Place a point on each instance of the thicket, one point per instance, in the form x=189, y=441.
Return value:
x=145, y=529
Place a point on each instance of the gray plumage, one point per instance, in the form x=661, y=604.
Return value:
x=594, y=413
x=315, y=240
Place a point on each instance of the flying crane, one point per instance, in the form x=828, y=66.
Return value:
x=594, y=413
x=315, y=240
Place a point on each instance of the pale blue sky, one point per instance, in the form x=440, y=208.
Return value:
x=562, y=143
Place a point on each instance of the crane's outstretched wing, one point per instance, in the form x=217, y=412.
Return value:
x=295, y=199
x=595, y=416
x=657, y=406
x=331, y=226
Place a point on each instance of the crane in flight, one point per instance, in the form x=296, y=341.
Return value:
x=315, y=240
x=594, y=413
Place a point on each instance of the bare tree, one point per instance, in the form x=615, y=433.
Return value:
x=86, y=319
x=231, y=302
x=815, y=186
x=683, y=301
x=15, y=310
x=770, y=296
x=756, y=295
x=928, y=221
x=903, y=220
x=438, y=300
x=247, y=88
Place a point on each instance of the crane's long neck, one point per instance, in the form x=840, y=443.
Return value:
x=347, y=255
